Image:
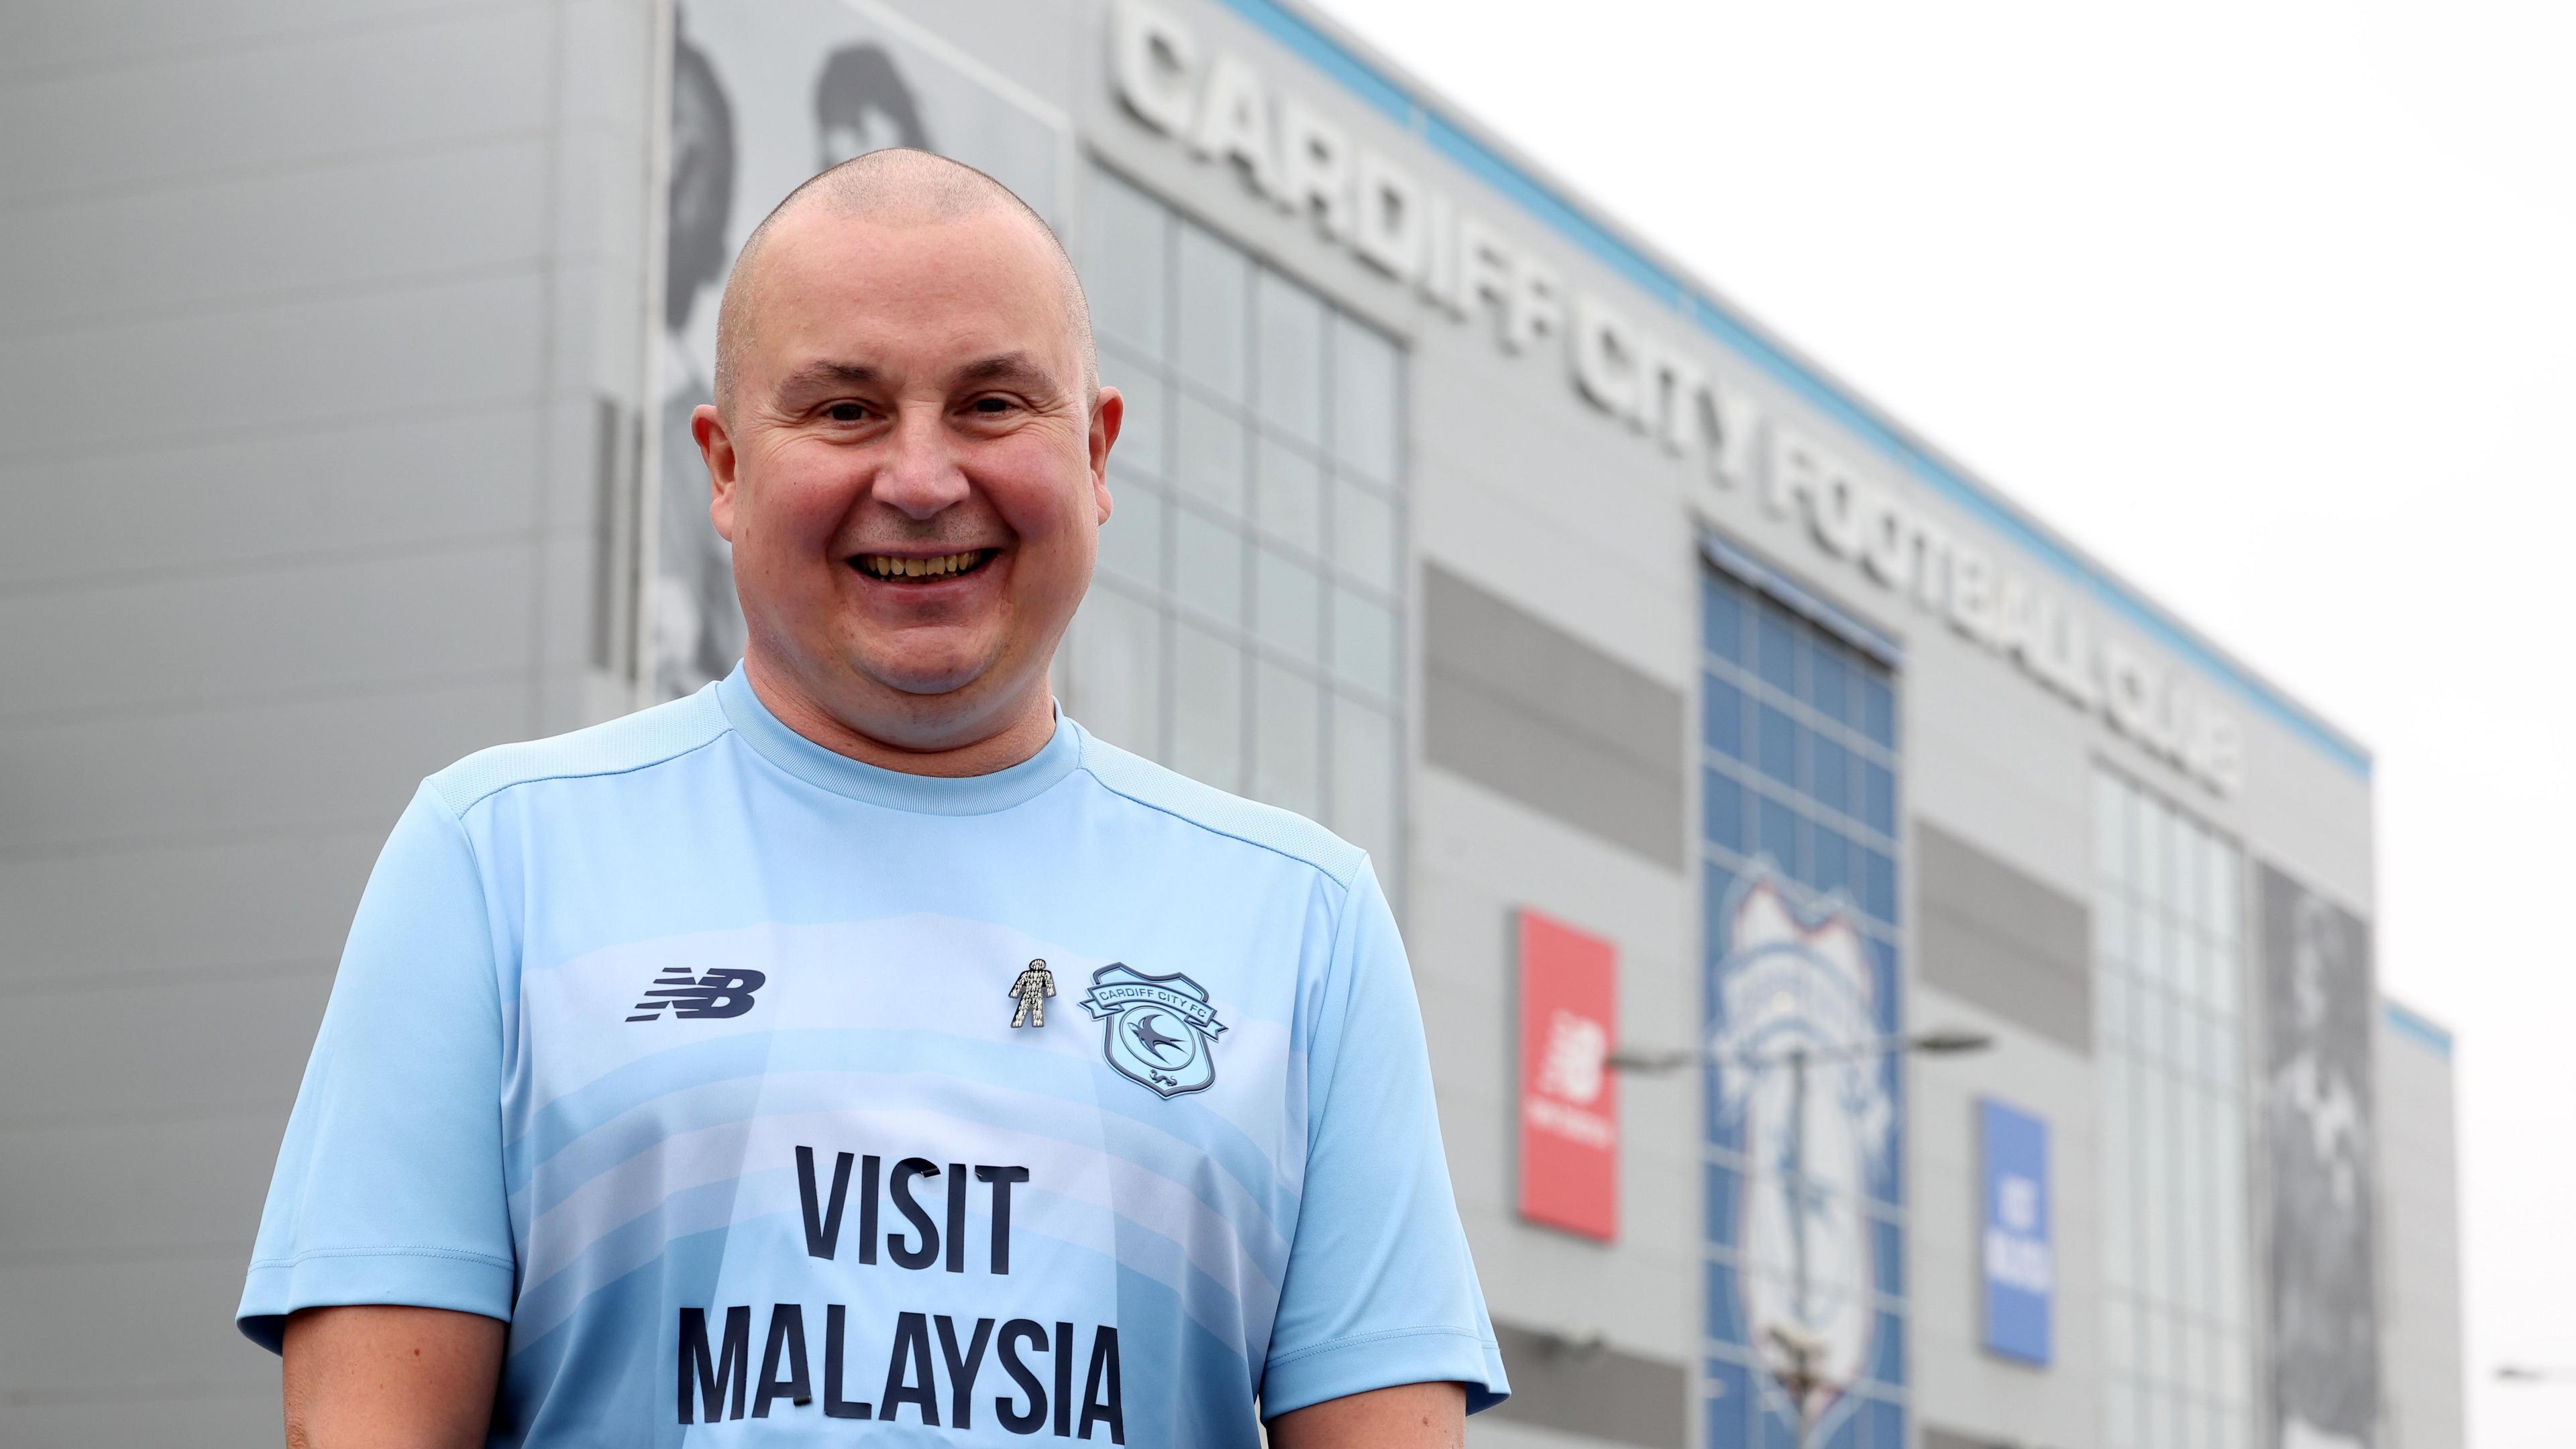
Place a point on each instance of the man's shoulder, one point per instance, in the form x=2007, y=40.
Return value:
x=632, y=742
x=1266, y=827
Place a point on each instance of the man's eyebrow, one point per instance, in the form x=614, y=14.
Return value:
x=829, y=374
x=1019, y=367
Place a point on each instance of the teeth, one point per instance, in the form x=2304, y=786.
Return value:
x=886, y=566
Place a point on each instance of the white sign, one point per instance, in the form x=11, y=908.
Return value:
x=1293, y=155
x=1570, y=1081
x=2015, y=1253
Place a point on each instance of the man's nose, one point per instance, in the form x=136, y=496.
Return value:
x=920, y=474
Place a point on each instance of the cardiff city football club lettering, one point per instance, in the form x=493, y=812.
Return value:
x=1795, y=1019
x=1052, y=1378
x=1310, y=167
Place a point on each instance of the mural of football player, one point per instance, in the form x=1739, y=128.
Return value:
x=862, y=103
x=2317, y=1134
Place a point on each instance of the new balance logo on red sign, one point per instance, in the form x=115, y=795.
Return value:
x=696, y=998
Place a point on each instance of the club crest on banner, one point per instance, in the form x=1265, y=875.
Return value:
x=1157, y=1029
x=1797, y=978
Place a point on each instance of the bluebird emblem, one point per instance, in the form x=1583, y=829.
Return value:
x=1156, y=1029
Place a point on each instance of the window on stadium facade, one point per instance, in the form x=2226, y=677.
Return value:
x=1804, y=1230
x=1246, y=624
x=2170, y=1037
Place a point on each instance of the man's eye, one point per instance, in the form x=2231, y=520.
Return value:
x=991, y=406
x=847, y=412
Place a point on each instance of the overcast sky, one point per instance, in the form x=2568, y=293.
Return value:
x=2270, y=305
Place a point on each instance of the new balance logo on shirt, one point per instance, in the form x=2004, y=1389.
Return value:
x=698, y=998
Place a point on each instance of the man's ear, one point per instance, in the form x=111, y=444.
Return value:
x=1108, y=414
x=716, y=446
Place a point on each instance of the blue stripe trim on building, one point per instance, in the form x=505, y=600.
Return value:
x=1299, y=36
x=2406, y=1023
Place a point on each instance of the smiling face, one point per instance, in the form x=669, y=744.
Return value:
x=909, y=466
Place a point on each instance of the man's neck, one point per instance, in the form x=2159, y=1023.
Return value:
x=1024, y=730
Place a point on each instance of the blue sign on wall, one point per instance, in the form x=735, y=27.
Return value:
x=2020, y=1267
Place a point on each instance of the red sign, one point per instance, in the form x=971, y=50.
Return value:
x=1569, y=1097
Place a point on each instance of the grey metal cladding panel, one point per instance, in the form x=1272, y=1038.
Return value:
x=170, y=909
x=1996, y=937
x=235, y=1043
x=216, y=240
x=50, y=34
x=316, y=361
x=1944, y=1439
x=1622, y=1397
x=280, y=631
x=298, y=99
x=92, y=1188
x=319, y=764
x=1520, y=706
x=91, y=1328
x=333, y=490
x=244, y=1417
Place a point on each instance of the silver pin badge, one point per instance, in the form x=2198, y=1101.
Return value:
x=1035, y=985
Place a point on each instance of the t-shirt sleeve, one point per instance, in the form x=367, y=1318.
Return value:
x=1380, y=1290
x=389, y=1187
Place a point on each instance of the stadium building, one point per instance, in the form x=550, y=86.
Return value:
x=1889, y=980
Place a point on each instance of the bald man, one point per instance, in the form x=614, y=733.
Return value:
x=669, y=1089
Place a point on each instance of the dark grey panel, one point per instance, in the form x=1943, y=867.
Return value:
x=1519, y=705
x=1603, y=1393
x=2003, y=940
x=1945, y=1439
x=2319, y=1111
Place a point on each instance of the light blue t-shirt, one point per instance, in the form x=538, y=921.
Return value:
x=773, y=1098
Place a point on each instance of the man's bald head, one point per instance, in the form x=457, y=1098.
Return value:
x=895, y=187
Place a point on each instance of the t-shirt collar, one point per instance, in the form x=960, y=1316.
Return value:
x=894, y=789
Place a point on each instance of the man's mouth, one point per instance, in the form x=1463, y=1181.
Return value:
x=898, y=568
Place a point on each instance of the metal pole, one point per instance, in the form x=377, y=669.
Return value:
x=1803, y=1351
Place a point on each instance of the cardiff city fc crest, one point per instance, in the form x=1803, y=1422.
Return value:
x=1794, y=1055
x=1158, y=1028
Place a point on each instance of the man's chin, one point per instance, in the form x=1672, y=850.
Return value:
x=937, y=695
x=931, y=684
